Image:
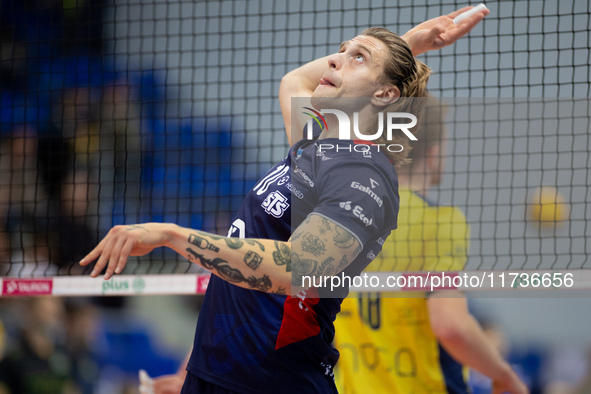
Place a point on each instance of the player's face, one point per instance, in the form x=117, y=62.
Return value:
x=355, y=70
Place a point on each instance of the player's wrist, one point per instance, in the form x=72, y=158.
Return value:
x=170, y=233
x=407, y=37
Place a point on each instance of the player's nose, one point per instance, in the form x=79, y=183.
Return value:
x=335, y=61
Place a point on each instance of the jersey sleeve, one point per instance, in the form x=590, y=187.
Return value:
x=360, y=196
x=446, y=248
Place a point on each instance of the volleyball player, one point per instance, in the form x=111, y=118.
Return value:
x=266, y=340
x=392, y=344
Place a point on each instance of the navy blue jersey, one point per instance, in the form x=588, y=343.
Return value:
x=249, y=341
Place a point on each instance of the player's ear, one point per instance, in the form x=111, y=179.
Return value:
x=385, y=95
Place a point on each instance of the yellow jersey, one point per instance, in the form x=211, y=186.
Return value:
x=386, y=342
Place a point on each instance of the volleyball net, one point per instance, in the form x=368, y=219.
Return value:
x=167, y=111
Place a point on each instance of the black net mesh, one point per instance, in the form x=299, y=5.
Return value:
x=124, y=112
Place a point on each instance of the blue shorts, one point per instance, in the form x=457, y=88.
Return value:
x=196, y=385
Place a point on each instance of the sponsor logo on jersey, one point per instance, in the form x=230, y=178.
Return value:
x=296, y=192
x=271, y=178
x=275, y=204
x=357, y=211
x=368, y=191
x=321, y=154
x=328, y=371
x=283, y=180
x=346, y=205
x=303, y=175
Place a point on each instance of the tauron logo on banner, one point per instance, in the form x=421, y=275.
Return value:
x=16, y=287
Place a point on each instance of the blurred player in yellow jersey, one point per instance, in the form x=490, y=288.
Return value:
x=423, y=344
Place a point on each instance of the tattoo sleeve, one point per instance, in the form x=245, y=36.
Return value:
x=233, y=275
x=236, y=243
x=281, y=291
x=313, y=244
x=253, y=260
x=318, y=247
x=202, y=243
x=282, y=255
x=343, y=239
x=321, y=248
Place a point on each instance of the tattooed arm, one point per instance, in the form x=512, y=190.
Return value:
x=321, y=247
x=318, y=247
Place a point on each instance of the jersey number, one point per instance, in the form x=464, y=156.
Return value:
x=405, y=363
x=369, y=309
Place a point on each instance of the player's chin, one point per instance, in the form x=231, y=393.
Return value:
x=325, y=91
x=321, y=98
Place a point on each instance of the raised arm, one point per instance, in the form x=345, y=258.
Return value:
x=300, y=82
x=440, y=32
x=460, y=334
x=430, y=35
x=318, y=246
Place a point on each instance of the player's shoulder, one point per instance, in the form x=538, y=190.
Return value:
x=350, y=157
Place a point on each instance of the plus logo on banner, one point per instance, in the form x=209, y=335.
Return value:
x=275, y=204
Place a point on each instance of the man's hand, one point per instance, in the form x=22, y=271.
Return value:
x=510, y=384
x=166, y=384
x=440, y=32
x=122, y=242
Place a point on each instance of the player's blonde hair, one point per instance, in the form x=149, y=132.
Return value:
x=410, y=76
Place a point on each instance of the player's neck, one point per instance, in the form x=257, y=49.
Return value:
x=415, y=182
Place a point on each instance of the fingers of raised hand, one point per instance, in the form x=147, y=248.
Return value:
x=112, y=252
x=458, y=12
